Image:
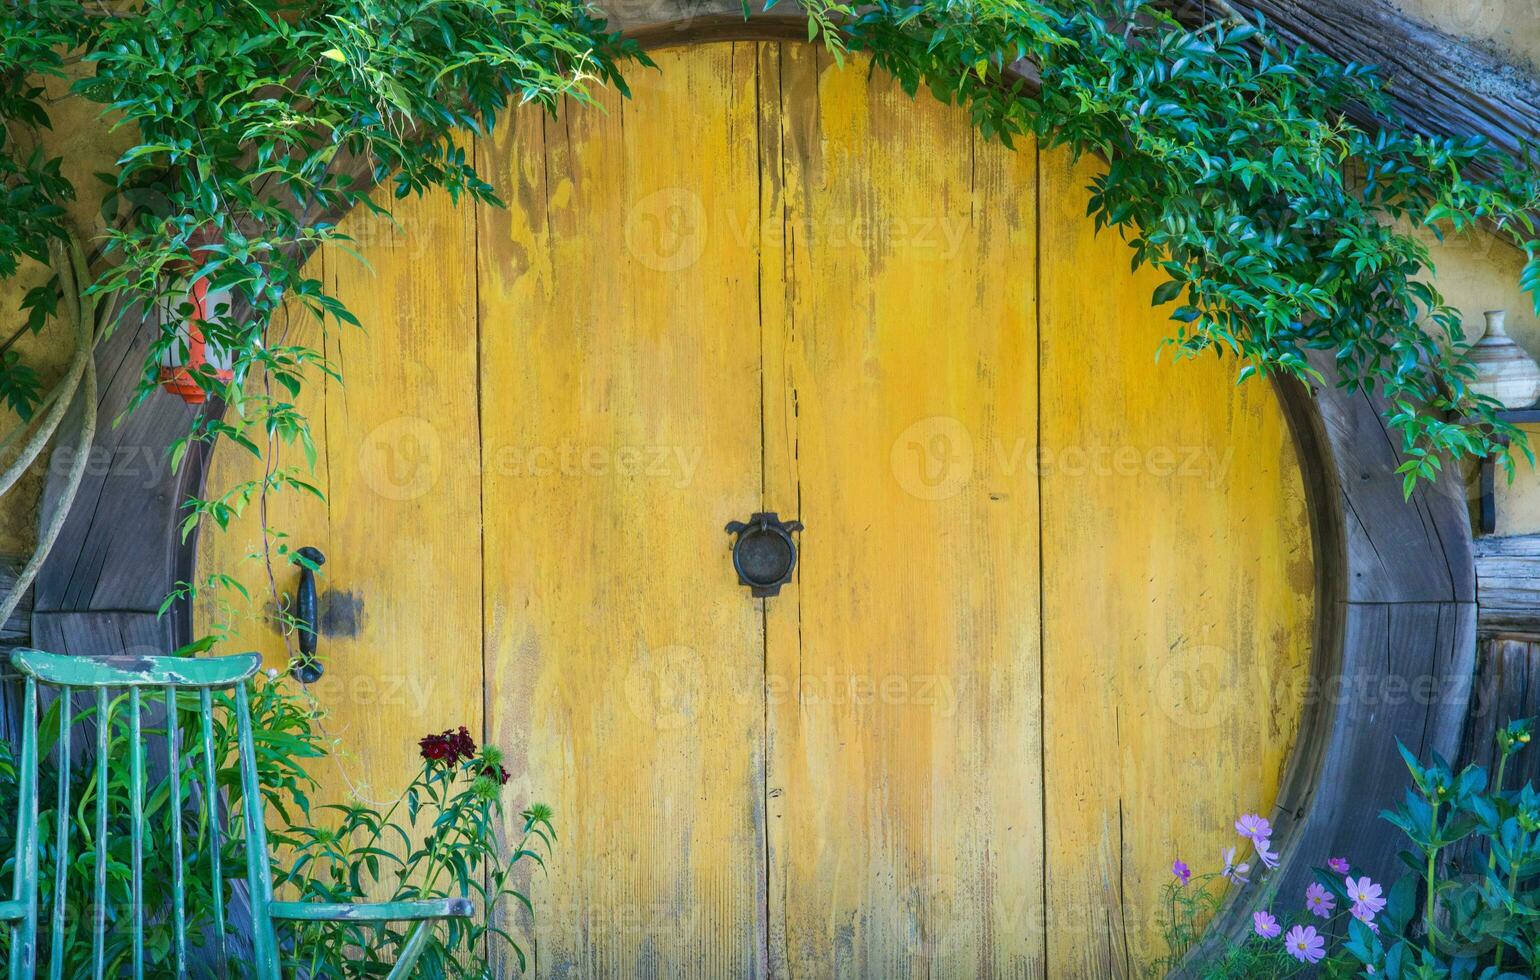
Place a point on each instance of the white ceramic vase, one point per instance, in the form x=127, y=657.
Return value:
x=1503, y=369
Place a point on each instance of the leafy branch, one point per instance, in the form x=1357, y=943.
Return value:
x=1233, y=167
x=256, y=126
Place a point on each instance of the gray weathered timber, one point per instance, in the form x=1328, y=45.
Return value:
x=1508, y=584
x=1398, y=550
x=17, y=631
x=1442, y=85
x=111, y=553
x=1395, y=638
x=1507, y=687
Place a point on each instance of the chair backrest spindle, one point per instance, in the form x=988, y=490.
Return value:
x=258, y=871
x=136, y=810
x=62, y=840
x=216, y=841
x=99, y=903
x=24, y=944
x=72, y=677
x=178, y=885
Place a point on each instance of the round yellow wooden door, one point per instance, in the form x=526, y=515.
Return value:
x=1051, y=617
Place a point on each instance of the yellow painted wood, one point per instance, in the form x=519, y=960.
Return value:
x=398, y=445
x=1053, y=616
x=620, y=382
x=1177, y=601
x=900, y=350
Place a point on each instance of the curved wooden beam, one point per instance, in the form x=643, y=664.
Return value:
x=1395, y=637
x=1395, y=615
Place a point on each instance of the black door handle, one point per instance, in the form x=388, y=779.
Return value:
x=307, y=669
x=765, y=553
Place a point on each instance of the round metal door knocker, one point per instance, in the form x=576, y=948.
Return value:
x=764, y=554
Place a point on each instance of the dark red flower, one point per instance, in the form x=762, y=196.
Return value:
x=448, y=747
x=463, y=745
x=435, y=748
x=498, y=773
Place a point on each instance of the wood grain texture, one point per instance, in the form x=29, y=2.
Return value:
x=115, y=550
x=1508, y=584
x=15, y=632
x=1507, y=688
x=1406, y=676
x=398, y=461
x=900, y=403
x=107, y=563
x=1396, y=646
x=1397, y=550
x=621, y=386
x=1178, y=595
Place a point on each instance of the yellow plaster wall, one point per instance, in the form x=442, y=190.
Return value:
x=1478, y=272
x=87, y=147
x=1510, y=28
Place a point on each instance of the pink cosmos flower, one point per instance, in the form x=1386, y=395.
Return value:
x=1235, y=872
x=1366, y=893
x=1319, y=901
x=1254, y=828
x=1266, y=856
x=1339, y=865
x=1181, y=870
x=1305, y=944
x=1362, y=914
x=1265, y=925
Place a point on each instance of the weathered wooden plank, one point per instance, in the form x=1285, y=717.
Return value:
x=1179, y=605
x=620, y=385
x=1507, y=687
x=1397, y=550
x=1508, y=584
x=17, y=631
x=901, y=414
x=115, y=549
x=400, y=592
x=103, y=633
x=1406, y=676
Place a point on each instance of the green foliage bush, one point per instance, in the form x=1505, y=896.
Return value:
x=442, y=839
x=1231, y=169
x=1482, y=921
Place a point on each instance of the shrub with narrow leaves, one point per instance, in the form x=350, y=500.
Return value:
x=1439, y=920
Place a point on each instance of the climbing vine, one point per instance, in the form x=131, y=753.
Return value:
x=255, y=125
x=1233, y=166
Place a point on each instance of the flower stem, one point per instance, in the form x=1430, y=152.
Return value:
x=1427, y=912
x=1497, y=789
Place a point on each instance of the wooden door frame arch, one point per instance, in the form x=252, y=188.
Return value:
x=1395, y=613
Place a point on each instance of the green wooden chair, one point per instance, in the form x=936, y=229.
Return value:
x=80, y=677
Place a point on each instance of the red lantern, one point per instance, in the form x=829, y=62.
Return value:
x=192, y=352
